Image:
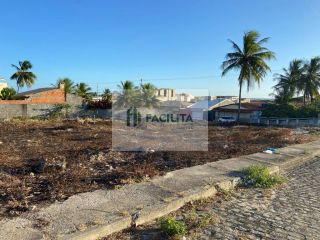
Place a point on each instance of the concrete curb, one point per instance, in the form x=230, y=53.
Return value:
x=137, y=204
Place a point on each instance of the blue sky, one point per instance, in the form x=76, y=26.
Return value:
x=170, y=43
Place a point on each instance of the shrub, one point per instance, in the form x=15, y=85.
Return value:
x=7, y=94
x=172, y=227
x=59, y=111
x=291, y=111
x=101, y=104
x=259, y=176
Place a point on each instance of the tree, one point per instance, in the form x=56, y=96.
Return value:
x=23, y=76
x=287, y=85
x=107, y=95
x=69, y=86
x=148, y=95
x=310, y=82
x=7, y=94
x=83, y=90
x=250, y=61
x=128, y=94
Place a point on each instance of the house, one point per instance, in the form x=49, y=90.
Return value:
x=44, y=95
x=3, y=84
x=37, y=102
x=166, y=94
x=249, y=112
x=203, y=110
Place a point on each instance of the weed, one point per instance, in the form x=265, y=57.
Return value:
x=172, y=227
x=201, y=220
x=260, y=177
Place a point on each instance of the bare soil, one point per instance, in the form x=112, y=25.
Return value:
x=45, y=161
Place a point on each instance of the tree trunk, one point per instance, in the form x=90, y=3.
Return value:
x=239, y=103
x=304, y=99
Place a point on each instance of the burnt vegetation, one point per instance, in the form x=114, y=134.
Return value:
x=45, y=161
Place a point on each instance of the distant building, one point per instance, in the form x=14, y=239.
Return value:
x=166, y=94
x=203, y=98
x=184, y=97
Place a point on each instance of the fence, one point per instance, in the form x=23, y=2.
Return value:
x=290, y=122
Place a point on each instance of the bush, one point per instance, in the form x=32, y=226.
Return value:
x=259, y=176
x=101, y=104
x=291, y=111
x=59, y=111
x=7, y=94
x=172, y=227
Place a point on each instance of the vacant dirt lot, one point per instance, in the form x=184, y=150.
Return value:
x=44, y=161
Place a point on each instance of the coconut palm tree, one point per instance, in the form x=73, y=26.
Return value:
x=83, y=90
x=250, y=60
x=107, y=95
x=148, y=95
x=310, y=82
x=287, y=85
x=128, y=94
x=23, y=76
x=69, y=86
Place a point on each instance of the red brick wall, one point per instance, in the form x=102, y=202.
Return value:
x=54, y=96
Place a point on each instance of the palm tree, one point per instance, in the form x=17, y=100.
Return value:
x=128, y=94
x=23, y=76
x=107, y=95
x=287, y=85
x=250, y=61
x=69, y=86
x=310, y=82
x=148, y=95
x=83, y=90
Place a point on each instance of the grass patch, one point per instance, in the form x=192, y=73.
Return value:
x=260, y=177
x=172, y=227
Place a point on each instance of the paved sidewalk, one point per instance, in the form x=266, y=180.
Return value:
x=97, y=214
x=290, y=212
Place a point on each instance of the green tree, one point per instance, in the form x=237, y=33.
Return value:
x=23, y=76
x=107, y=95
x=148, y=95
x=310, y=82
x=7, y=93
x=287, y=85
x=250, y=60
x=127, y=95
x=83, y=90
x=69, y=86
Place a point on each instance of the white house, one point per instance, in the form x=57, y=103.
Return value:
x=3, y=84
x=200, y=109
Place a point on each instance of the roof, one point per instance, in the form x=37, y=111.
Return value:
x=207, y=104
x=245, y=107
x=35, y=91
